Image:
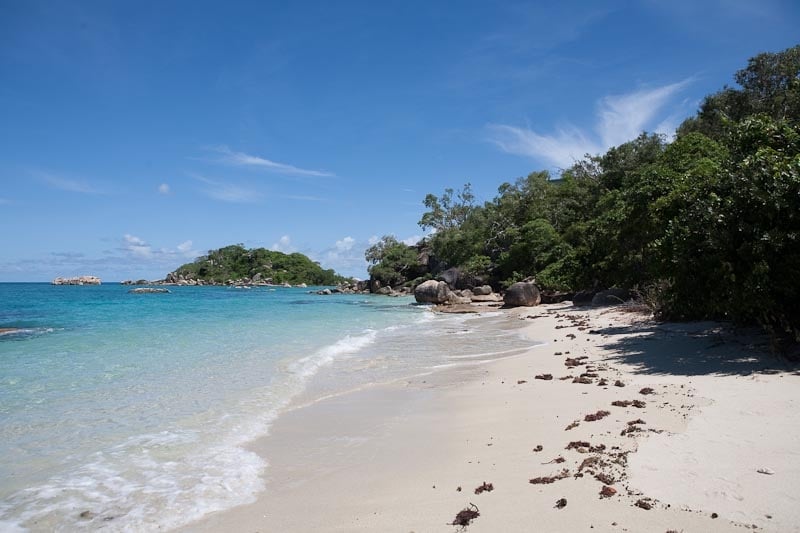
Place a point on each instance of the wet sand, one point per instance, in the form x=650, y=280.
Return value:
x=677, y=446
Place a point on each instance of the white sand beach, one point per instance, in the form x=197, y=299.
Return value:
x=713, y=447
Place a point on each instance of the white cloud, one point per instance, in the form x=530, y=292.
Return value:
x=227, y=192
x=345, y=244
x=373, y=240
x=620, y=118
x=137, y=246
x=185, y=249
x=284, y=245
x=411, y=241
x=230, y=157
x=164, y=188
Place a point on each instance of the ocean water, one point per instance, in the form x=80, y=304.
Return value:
x=131, y=412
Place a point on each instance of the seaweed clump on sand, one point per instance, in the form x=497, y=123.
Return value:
x=465, y=516
x=546, y=480
x=594, y=417
x=485, y=487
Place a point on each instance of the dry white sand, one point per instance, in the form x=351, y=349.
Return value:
x=393, y=457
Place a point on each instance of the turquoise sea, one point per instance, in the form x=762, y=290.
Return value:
x=131, y=412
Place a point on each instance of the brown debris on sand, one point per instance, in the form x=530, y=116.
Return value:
x=521, y=381
x=577, y=444
x=629, y=430
x=647, y=390
x=575, y=361
x=618, y=383
x=607, y=491
x=561, y=503
x=583, y=380
x=604, y=478
x=593, y=417
x=644, y=503
x=465, y=516
x=485, y=487
x=602, y=383
x=572, y=425
x=546, y=377
x=637, y=421
x=538, y=448
x=557, y=460
x=627, y=403
x=546, y=480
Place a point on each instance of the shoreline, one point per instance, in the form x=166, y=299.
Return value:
x=393, y=456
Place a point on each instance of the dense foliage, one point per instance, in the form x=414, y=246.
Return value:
x=708, y=224
x=393, y=263
x=236, y=262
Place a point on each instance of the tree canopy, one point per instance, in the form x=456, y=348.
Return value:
x=237, y=262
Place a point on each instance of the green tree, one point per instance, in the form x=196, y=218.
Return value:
x=392, y=262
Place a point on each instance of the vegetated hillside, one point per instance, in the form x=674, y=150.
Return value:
x=705, y=225
x=236, y=262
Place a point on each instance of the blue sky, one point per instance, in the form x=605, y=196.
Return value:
x=135, y=136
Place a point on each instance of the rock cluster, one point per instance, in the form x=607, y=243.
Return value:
x=149, y=290
x=80, y=280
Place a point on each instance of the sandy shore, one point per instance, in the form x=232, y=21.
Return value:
x=712, y=447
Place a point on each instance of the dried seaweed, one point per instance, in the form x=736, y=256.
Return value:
x=593, y=417
x=546, y=480
x=465, y=516
x=485, y=487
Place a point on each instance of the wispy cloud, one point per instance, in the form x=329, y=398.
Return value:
x=138, y=249
x=66, y=184
x=164, y=188
x=226, y=192
x=241, y=159
x=619, y=118
x=303, y=198
x=136, y=246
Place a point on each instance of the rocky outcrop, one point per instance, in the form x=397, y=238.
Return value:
x=149, y=290
x=451, y=276
x=522, y=294
x=80, y=280
x=554, y=297
x=432, y=292
x=610, y=297
x=482, y=298
x=483, y=290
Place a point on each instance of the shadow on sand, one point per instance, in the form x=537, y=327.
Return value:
x=692, y=349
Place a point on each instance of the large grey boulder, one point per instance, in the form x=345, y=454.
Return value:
x=522, y=294
x=450, y=276
x=483, y=290
x=610, y=297
x=432, y=292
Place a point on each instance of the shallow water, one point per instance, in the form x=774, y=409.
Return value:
x=134, y=409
